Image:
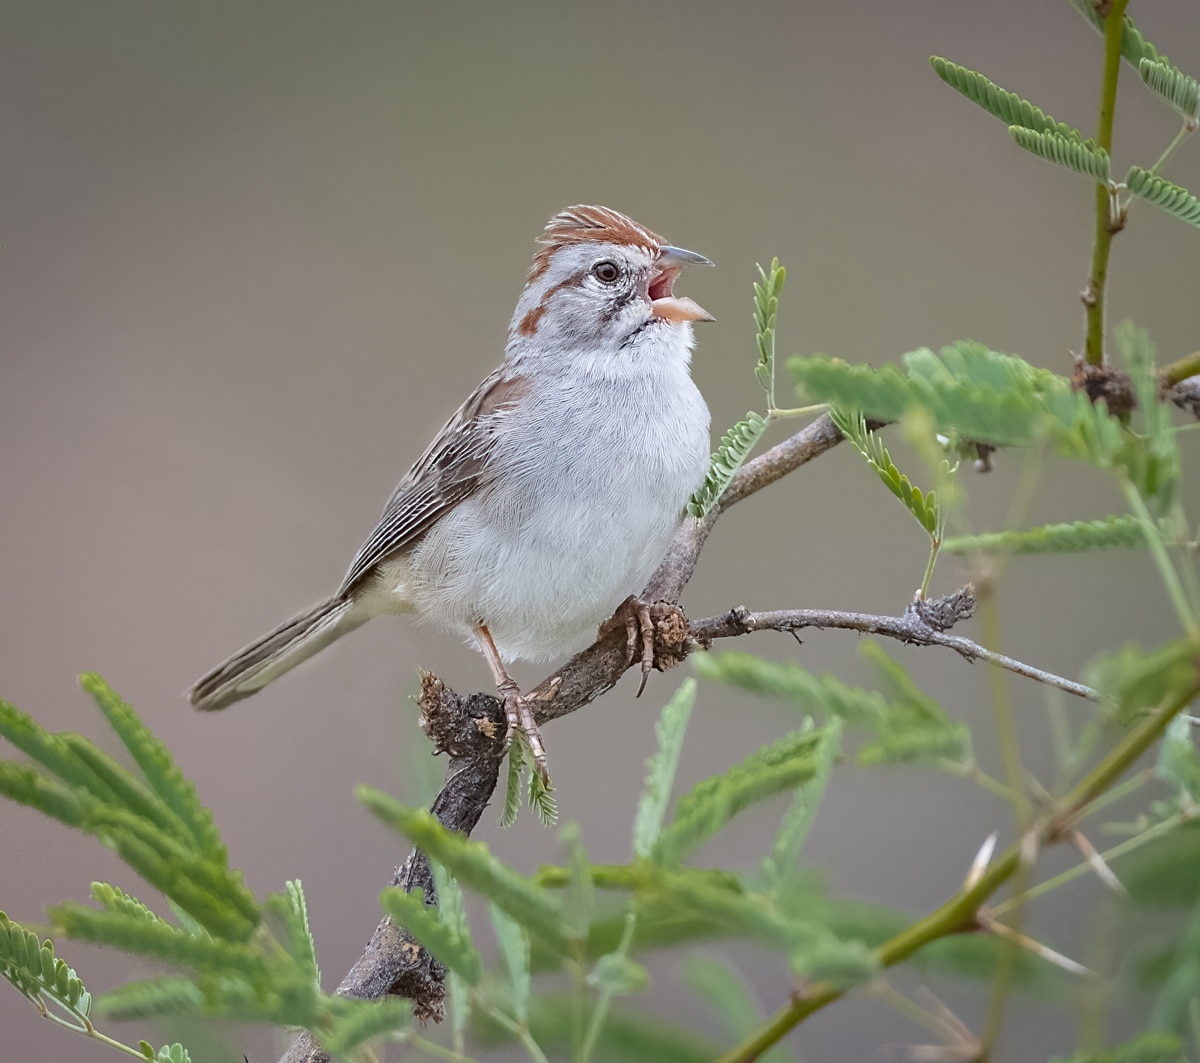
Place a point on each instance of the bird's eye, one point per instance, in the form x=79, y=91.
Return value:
x=606, y=271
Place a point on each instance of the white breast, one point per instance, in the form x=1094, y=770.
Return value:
x=587, y=492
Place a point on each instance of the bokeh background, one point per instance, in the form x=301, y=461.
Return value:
x=252, y=255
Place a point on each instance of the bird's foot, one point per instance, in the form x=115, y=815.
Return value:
x=519, y=714
x=638, y=619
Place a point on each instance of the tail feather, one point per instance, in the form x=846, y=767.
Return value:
x=277, y=652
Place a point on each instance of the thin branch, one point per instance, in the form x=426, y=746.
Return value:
x=909, y=628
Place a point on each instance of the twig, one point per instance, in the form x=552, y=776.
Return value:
x=908, y=628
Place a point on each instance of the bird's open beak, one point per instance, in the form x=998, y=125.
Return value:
x=664, y=303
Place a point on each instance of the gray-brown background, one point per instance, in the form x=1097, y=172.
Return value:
x=252, y=255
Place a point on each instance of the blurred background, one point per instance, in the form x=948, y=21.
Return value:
x=251, y=256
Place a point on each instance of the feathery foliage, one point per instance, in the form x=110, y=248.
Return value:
x=779, y=867
x=514, y=947
x=430, y=927
x=660, y=769
x=521, y=778
x=766, y=314
x=1180, y=91
x=735, y=447
x=1145, y=1048
x=1079, y=536
x=923, y=506
x=473, y=866
x=729, y=998
x=1134, y=47
x=782, y=765
x=28, y=963
x=1164, y=195
x=1067, y=152
x=1005, y=105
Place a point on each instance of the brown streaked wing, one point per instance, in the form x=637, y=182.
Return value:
x=450, y=470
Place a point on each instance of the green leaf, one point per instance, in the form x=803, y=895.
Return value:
x=454, y=916
x=1007, y=106
x=1111, y=533
x=579, y=902
x=818, y=694
x=175, y=1053
x=28, y=963
x=474, y=866
x=1162, y=873
x=116, y=900
x=729, y=998
x=305, y=946
x=154, y=759
x=1145, y=1048
x=133, y=933
x=126, y=791
x=1177, y=760
x=766, y=313
x=660, y=769
x=971, y=393
x=827, y=958
x=781, y=766
x=1134, y=47
x=540, y=794
x=1164, y=195
x=707, y=905
x=619, y=975
x=624, y=1036
x=512, y=784
x=357, y=1021
x=422, y=920
x=735, y=447
x=1180, y=91
x=514, y=946
x=152, y=998
x=537, y=790
x=1155, y=469
x=797, y=821
x=923, y=507
x=915, y=726
x=1067, y=152
x=28, y=786
x=1175, y=1007
x=52, y=751
x=1133, y=680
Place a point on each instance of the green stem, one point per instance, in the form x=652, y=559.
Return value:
x=1114, y=26
x=606, y=994
x=1187, y=366
x=776, y=414
x=1082, y=868
x=434, y=1049
x=89, y=1030
x=1162, y=560
x=935, y=546
x=520, y=1032
x=959, y=913
x=1184, y=132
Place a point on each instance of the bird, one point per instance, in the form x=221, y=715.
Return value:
x=552, y=493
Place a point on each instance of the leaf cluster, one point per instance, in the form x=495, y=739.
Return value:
x=238, y=957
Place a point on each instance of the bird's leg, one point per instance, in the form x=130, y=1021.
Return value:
x=634, y=615
x=517, y=710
